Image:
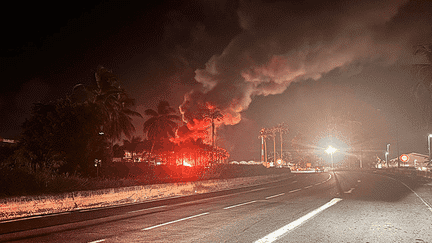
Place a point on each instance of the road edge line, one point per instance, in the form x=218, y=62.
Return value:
x=275, y=235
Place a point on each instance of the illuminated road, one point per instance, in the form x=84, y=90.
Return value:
x=313, y=207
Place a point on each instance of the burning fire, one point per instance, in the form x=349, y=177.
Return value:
x=186, y=163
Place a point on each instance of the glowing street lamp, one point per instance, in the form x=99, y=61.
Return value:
x=330, y=150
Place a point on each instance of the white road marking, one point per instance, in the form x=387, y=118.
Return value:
x=296, y=190
x=163, y=206
x=278, y=233
x=175, y=221
x=424, y=202
x=308, y=187
x=319, y=183
x=294, y=182
x=350, y=190
x=96, y=241
x=275, y=196
x=241, y=204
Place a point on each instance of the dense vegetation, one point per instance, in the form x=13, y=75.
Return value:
x=69, y=144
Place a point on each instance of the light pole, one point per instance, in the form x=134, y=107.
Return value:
x=330, y=150
x=429, y=146
x=387, y=154
x=98, y=163
x=386, y=158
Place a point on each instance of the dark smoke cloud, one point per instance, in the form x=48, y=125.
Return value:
x=286, y=42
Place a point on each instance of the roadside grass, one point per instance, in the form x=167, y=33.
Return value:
x=24, y=182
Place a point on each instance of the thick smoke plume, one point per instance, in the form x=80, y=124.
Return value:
x=282, y=43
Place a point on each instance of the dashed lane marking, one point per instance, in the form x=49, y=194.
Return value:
x=175, y=221
x=296, y=190
x=349, y=191
x=241, y=204
x=275, y=196
x=97, y=241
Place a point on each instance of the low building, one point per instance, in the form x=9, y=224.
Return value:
x=416, y=160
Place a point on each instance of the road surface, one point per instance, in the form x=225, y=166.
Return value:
x=345, y=206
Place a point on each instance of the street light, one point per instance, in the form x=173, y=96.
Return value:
x=330, y=150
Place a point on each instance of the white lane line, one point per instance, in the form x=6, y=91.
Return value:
x=97, y=241
x=350, y=190
x=424, y=202
x=278, y=233
x=275, y=196
x=175, y=221
x=319, y=183
x=296, y=190
x=163, y=206
x=308, y=187
x=241, y=204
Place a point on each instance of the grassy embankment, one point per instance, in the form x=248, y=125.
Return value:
x=27, y=183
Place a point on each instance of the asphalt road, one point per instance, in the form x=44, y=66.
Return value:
x=347, y=206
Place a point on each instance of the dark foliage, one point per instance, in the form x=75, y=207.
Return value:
x=60, y=136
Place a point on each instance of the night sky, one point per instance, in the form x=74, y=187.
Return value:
x=260, y=62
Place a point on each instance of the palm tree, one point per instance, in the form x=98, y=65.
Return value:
x=272, y=134
x=161, y=124
x=423, y=72
x=213, y=115
x=120, y=117
x=113, y=102
x=264, y=135
x=281, y=129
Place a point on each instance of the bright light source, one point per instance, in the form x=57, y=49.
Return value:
x=186, y=164
x=330, y=150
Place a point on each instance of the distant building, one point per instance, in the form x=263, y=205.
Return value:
x=416, y=160
x=5, y=140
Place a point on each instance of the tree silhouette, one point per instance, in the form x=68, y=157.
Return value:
x=58, y=135
x=162, y=123
x=272, y=134
x=423, y=73
x=114, y=103
x=264, y=135
x=281, y=128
